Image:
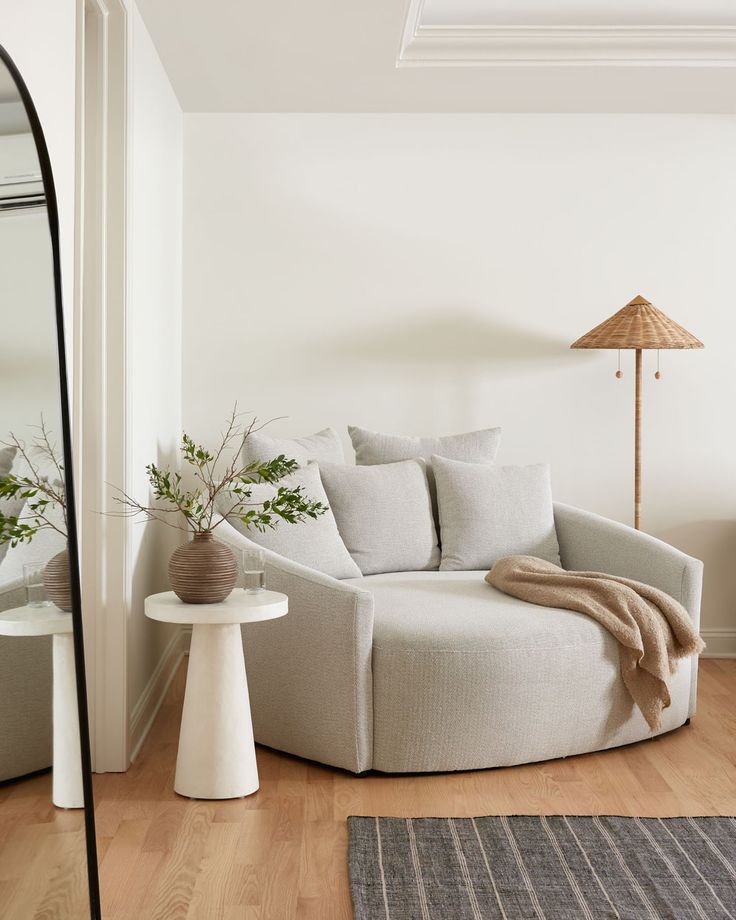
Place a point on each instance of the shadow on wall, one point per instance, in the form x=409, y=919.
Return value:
x=715, y=543
x=439, y=355
x=155, y=542
x=451, y=339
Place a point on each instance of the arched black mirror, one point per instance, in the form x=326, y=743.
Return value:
x=48, y=864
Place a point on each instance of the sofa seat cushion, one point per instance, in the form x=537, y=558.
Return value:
x=459, y=611
x=466, y=677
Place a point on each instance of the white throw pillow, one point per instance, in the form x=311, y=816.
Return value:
x=488, y=512
x=472, y=447
x=384, y=515
x=314, y=542
x=322, y=447
x=7, y=455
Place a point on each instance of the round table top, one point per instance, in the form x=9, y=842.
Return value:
x=239, y=607
x=35, y=621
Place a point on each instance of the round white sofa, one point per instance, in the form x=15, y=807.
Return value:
x=438, y=671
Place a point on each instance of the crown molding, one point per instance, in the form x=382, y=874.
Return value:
x=533, y=46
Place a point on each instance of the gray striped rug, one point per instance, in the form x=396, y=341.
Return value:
x=557, y=868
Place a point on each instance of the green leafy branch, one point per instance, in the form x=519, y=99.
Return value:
x=214, y=477
x=42, y=493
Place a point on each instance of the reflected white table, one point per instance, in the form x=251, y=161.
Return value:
x=217, y=756
x=67, y=766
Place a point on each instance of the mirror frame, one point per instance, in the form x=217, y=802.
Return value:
x=77, y=627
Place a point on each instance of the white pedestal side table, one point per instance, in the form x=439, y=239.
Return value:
x=217, y=755
x=67, y=767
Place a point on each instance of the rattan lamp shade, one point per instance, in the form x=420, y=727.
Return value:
x=638, y=325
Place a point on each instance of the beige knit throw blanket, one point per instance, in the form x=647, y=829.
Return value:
x=653, y=631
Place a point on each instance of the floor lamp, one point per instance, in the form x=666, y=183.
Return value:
x=638, y=325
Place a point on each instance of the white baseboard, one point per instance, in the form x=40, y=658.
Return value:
x=149, y=702
x=721, y=643
x=186, y=638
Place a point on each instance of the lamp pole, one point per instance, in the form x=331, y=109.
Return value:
x=637, y=443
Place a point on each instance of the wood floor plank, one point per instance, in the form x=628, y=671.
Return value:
x=175, y=886
x=119, y=863
x=212, y=889
x=138, y=892
x=65, y=895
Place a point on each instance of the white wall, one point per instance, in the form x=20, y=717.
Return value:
x=427, y=273
x=40, y=36
x=153, y=333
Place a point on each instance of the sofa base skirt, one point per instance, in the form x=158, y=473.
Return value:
x=499, y=739
x=438, y=714
x=376, y=770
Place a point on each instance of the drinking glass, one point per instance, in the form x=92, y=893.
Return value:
x=33, y=580
x=254, y=579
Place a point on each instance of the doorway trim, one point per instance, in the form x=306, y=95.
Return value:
x=99, y=367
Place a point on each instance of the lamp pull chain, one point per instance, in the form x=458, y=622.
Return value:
x=657, y=375
x=619, y=372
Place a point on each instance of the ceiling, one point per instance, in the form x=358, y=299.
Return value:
x=341, y=56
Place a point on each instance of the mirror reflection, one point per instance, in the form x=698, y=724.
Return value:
x=42, y=844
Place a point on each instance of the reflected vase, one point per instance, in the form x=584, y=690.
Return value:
x=57, y=582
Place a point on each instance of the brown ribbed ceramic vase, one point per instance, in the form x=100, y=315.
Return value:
x=56, y=581
x=203, y=571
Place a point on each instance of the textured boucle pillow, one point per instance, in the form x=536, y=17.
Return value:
x=384, y=515
x=322, y=447
x=472, y=447
x=314, y=542
x=7, y=455
x=488, y=512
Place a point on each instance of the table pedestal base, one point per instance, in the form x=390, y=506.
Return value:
x=217, y=758
x=67, y=767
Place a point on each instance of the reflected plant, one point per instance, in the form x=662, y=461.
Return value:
x=215, y=476
x=43, y=493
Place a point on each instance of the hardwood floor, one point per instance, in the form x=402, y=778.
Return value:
x=281, y=853
x=42, y=855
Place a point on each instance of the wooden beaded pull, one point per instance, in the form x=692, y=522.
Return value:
x=657, y=375
x=619, y=372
